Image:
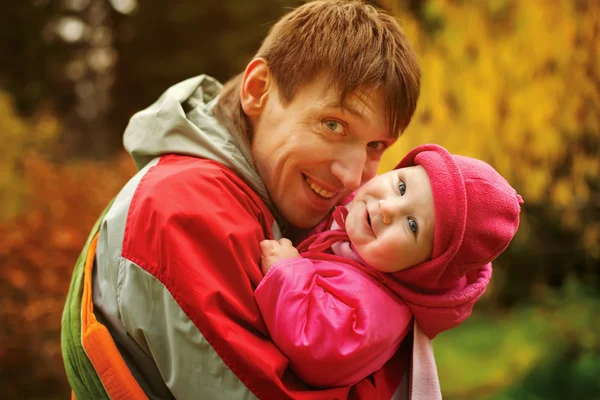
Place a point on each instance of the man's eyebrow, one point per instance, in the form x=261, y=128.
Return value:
x=352, y=110
x=344, y=106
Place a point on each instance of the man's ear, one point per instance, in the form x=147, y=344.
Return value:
x=256, y=84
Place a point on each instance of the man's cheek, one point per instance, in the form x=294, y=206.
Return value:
x=370, y=170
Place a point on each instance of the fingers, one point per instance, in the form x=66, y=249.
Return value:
x=274, y=251
x=266, y=245
x=285, y=242
x=277, y=248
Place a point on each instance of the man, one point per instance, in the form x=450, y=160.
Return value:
x=161, y=303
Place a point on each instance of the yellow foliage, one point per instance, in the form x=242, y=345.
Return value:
x=561, y=193
x=37, y=252
x=18, y=137
x=514, y=83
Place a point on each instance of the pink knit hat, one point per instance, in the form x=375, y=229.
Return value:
x=476, y=216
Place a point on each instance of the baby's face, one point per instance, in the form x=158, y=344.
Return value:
x=391, y=219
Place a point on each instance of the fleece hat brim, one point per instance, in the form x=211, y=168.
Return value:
x=476, y=216
x=450, y=202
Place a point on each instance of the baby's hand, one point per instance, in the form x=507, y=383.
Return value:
x=275, y=250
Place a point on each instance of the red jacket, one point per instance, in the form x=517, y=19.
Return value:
x=177, y=263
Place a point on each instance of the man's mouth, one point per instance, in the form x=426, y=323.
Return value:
x=324, y=193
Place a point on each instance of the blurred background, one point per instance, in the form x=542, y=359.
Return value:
x=516, y=83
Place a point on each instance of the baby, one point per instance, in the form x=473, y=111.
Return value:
x=417, y=241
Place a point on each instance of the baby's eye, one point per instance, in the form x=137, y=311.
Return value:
x=412, y=224
x=402, y=188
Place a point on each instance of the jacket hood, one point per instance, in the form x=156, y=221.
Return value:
x=182, y=121
x=434, y=311
x=476, y=217
x=439, y=311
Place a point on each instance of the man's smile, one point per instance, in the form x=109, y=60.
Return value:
x=324, y=193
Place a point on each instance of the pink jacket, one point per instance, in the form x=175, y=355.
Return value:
x=335, y=322
x=338, y=320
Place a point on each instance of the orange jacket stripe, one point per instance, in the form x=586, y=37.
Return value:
x=100, y=346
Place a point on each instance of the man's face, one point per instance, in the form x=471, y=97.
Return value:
x=312, y=152
x=391, y=220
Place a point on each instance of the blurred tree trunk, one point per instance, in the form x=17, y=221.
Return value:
x=89, y=76
x=96, y=63
x=166, y=42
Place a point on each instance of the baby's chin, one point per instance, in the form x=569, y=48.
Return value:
x=377, y=265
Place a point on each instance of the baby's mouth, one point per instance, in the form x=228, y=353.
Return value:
x=370, y=223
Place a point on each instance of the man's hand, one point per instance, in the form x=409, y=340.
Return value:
x=275, y=250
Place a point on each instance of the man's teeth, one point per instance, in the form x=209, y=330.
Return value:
x=320, y=191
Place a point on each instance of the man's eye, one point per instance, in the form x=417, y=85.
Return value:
x=334, y=125
x=378, y=146
x=412, y=224
x=402, y=188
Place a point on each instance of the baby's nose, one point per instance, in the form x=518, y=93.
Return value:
x=389, y=210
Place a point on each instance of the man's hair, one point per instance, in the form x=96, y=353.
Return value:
x=356, y=46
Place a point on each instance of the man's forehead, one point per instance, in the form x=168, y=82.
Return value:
x=358, y=102
x=361, y=103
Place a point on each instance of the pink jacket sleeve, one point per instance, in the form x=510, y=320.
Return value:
x=335, y=323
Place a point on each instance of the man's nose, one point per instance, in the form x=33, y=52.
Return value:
x=352, y=167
